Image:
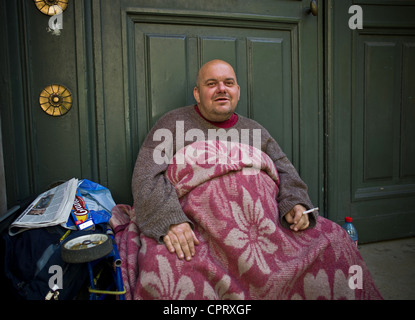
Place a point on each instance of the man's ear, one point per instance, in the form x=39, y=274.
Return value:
x=196, y=94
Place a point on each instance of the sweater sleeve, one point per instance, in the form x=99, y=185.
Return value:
x=156, y=203
x=292, y=189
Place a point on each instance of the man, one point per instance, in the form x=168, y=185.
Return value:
x=158, y=210
x=249, y=226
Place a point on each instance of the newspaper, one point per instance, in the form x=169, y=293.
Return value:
x=52, y=207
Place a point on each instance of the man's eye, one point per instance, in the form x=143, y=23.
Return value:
x=229, y=83
x=211, y=84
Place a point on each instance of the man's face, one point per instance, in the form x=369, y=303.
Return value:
x=218, y=92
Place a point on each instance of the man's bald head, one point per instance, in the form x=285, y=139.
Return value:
x=208, y=65
x=217, y=91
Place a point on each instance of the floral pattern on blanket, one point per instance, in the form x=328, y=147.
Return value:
x=228, y=190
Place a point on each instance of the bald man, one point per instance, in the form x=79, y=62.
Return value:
x=158, y=211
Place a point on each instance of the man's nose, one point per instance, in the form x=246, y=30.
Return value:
x=221, y=87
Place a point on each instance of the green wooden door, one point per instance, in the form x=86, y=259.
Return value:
x=40, y=149
x=148, y=54
x=371, y=163
x=128, y=62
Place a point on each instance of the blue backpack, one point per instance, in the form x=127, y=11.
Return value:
x=28, y=260
x=33, y=258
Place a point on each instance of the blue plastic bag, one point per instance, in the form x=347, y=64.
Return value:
x=95, y=199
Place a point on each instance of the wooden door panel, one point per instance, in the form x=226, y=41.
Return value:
x=381, y=134
x=165, y=76
x=371, y=146
x=407, y=145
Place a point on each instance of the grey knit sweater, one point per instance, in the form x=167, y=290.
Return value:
x=155, y=200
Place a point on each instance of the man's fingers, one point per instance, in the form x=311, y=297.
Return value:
x=182, y=240
x=293, y=216
x=302, y=224
x=297, y=219
x=305, y=224
x=298, y=214
x=173, y=245
x=168, y=243
x=195, y=239
x=186, y=244
x=289, y=217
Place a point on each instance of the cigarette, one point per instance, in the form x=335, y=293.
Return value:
x=311, y=210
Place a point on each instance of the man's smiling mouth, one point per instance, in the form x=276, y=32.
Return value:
x=222, y=99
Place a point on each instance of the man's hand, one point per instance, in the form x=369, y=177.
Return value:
x=296, y=218
x=182, y=240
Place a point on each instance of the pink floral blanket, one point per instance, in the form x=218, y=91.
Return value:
x=229, y=192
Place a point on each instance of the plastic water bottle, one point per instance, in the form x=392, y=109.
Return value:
x=350, y=229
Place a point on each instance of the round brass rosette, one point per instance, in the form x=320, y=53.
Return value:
x=51, y=7
x=55, y=100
